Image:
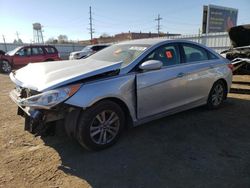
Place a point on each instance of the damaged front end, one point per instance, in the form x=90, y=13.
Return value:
x=239, y=53
x=41, y=108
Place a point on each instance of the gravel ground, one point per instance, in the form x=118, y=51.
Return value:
x=195, y=148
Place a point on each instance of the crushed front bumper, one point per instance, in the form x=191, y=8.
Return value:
x=35, y=119
x=15, y=96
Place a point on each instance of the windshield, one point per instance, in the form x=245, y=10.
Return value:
x=12, y=52
x=126, y=53
x=86, y=49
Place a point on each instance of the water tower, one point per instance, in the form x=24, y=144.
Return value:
x=37, y=33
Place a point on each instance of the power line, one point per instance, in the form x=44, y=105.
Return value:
x=158, y=19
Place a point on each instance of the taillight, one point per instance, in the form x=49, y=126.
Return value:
x=231, y=66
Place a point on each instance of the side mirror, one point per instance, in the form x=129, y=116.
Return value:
x=151, y=65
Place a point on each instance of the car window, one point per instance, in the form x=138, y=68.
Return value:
x=86, y=49
x=167, y=54
x=194, y=53
x=95, y=48
x=212, y=56
x=24, y=52
x=101, y=47
x=37, y=51
x=50, y=50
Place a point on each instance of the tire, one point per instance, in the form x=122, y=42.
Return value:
x=95, y=131
x=5, y=66
x=217, y=95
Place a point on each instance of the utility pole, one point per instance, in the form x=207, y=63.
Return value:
x=5, y=46
x=158, y=19
x=91, y=30
x=17, y=35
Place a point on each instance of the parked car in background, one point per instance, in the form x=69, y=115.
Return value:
x=23, y=55
x=127, y=83
x=87, y=51
x=2, y=52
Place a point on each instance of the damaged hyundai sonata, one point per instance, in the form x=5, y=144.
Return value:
x=129, y=83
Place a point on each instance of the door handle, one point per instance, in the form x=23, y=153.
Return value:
x=181, y=74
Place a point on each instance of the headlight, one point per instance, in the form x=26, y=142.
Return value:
x=51, y=98
x=77, y=54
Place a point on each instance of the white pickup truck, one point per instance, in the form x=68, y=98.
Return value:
x=87, y=51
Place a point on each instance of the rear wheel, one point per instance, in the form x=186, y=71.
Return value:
x=217, y=95
x=5, y=66
x=100, y=126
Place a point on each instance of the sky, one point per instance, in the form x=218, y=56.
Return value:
x=71, y=17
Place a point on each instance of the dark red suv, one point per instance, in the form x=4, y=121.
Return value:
x=23, y=55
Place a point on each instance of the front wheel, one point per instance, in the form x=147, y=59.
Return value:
x=217, y=95
x=101, y=125
x=5, y=66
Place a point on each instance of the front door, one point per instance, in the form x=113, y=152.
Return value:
x=161, y=90
x=22, y=57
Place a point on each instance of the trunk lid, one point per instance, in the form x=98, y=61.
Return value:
x=240, y=35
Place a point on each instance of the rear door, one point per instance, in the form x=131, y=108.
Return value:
x=37, y=55
x=51, y=53
x=161, y=90
x=199, y=65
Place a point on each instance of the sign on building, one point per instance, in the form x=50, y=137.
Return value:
x=218, y=19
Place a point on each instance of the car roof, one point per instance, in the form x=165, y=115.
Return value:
x=37, y=45
x=154, y=41
x=150, y=41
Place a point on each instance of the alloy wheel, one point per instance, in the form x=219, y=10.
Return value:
x=6, y=66
x=104, y=127
x=217, y=95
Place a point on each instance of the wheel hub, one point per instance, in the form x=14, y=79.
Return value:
x=104, y=127
x=217, y=95
x=6, y=66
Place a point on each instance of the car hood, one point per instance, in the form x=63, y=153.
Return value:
x=48, y=75
x=240, y=35
x=75, y=52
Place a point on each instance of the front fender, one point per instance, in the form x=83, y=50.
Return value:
x=119, y=87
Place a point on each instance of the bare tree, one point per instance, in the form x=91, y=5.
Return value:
x=104, y=35
x=62, y=39
x=52, y=40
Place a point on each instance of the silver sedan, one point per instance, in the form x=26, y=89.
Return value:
x=129, y=83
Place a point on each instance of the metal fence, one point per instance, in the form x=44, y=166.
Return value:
x=63, y=49
x=216, y=41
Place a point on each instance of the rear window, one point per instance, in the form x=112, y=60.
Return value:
x=212, y=56
x=194, y=53
x=37, y=51
x=50, y=50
